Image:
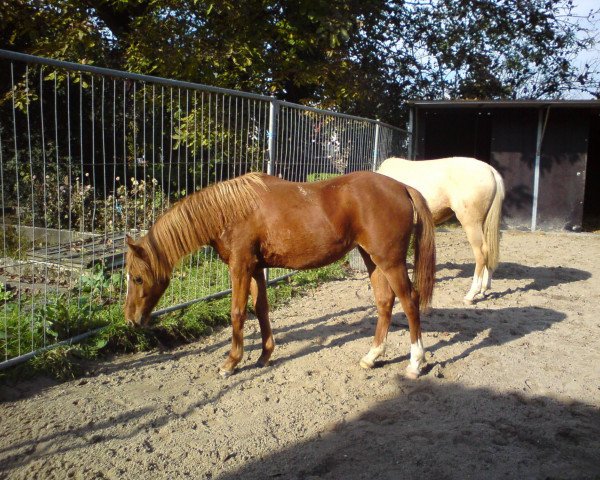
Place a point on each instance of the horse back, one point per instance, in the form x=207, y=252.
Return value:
x=305, y=225
x=448, y=184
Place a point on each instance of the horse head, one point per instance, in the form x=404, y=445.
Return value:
x=144, y=286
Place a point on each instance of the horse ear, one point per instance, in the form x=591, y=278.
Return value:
x=134, y=247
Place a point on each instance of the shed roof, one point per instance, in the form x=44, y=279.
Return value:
x=504, y=103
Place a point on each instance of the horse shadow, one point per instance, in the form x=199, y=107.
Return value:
x=496, y=327
x=541, y=277
x=448, y=325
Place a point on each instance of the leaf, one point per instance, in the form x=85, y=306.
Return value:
x=51, y=333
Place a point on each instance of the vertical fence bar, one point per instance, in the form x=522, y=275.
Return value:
x=272, y=145
x=4, y=229
x=376, y=147
x=541, y=128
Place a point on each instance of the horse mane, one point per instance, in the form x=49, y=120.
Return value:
x=192, y=223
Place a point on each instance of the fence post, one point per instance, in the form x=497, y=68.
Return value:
x=376, y=146
x=411, y=135
x=272, y=144
x=272, y=134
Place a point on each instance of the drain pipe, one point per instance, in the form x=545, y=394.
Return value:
x=541, y=130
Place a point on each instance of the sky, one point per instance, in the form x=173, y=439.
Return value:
x=583, y=7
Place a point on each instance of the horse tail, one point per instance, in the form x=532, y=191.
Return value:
x=491, y=225
x=424, y=244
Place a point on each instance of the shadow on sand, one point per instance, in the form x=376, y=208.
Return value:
x=445, y=431
x=541, y=277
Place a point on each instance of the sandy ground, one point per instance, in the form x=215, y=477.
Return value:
x=513, y=390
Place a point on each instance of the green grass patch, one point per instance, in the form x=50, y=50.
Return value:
x=61, y=315
x=317, y=177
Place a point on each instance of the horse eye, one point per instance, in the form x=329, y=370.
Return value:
x=137, y=280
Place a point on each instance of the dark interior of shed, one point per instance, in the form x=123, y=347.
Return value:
x=591, y=208
x=451, y=133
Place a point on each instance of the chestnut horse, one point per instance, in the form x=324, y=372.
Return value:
x=257, y=221
x=473, y=191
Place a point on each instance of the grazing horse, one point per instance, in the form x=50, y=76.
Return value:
x=473, y=191
x=257, y=221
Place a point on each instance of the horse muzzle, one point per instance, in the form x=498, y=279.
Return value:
x=142, y=321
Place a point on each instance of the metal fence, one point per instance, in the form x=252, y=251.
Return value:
x=88, y=155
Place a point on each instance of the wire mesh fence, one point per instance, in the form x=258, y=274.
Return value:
x=90, y=155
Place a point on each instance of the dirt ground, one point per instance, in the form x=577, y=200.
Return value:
x=513, y=390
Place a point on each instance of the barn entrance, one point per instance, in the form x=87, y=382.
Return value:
x=451, y=133
x=591, y=206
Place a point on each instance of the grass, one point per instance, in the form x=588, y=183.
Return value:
x=60, y=315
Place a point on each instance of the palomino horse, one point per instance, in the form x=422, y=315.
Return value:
x=473, y=191
x=257, y=221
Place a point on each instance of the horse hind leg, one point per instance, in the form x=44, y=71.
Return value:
x=397, y=277
x=384, y=301
x=479, y=283
x=487, y=281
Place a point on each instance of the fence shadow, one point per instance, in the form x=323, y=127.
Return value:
x=541, y=279
x=503, y=326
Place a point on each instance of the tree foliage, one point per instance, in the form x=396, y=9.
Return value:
x=360, y=56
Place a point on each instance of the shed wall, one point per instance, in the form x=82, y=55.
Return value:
x=506, y=138
x=562, y=170
x=513, y=155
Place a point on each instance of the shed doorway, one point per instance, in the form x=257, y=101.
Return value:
x=591, y=205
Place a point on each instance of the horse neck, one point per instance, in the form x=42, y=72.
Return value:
x=171, y=238
x=200, y=218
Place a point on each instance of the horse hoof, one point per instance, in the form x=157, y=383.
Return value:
x=412, y=373
x=263, y=363
x=366, y=363
x=468, y=301
x=225, y=373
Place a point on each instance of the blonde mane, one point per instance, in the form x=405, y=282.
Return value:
x=193, y=222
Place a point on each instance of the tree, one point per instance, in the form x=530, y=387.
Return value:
x=360, y=56
x=480, y=49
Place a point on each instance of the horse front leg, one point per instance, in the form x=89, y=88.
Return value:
x=240, y=286
x=258, y=290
